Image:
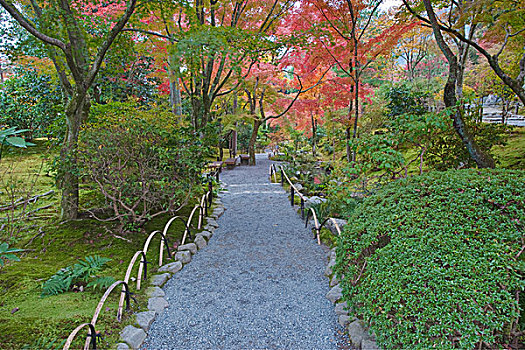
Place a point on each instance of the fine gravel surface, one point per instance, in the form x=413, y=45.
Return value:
x=259, y=283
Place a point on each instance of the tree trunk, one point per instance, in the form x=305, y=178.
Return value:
x=251, y=147
x=482, y=159
x=356, y=114
x=175, y=98
x=314, y=132
x=76, y=112
x=234, y=137
x=348, y=149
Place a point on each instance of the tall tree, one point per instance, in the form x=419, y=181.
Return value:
x=503, y=26
x=450, y=95
x=64, y=27
x=349, y=35
x=209, y=44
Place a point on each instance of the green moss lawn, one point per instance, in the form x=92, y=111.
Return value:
x=26, y=319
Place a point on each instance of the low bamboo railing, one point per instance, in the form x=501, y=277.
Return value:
x=310, y=212
x=202, y=207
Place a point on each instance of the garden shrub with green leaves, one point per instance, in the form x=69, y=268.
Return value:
x=144, y=167
x=437, y=261
x=31, y=100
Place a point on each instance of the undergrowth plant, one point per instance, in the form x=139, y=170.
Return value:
x=83, y=273
x=18, y=200
x=45, y=343
x=143, y=168
x=7, y=253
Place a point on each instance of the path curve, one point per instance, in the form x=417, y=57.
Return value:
x=259, y=283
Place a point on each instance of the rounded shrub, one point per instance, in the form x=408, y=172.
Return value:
x=437, y=261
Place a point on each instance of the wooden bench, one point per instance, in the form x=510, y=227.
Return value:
x=216, y=165
x=245, y=159
x=230, y=163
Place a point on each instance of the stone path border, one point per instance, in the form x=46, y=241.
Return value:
x=357, y=331
x=133, y=336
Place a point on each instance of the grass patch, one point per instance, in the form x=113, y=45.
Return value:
x=328, y=238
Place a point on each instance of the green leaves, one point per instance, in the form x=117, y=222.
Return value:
x=431, y=261
x=101, y=282
x=6, y=253
x=140, y=161
x=7, y=137
x=31, y=100
x=79, y=273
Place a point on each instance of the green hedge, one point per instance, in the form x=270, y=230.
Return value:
x=436, y=261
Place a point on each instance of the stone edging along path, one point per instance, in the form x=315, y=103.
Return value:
x=356, y=329
x=133, y=336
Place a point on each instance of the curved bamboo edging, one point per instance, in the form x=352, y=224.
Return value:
x=163, y=241
x=125, y=292
x=336, y=225
x=91, y=337
x=293, y=192
x=273, y=172
x=74, y=334
x=317, y=227
x=128, y=274
x=291, y=184
x=186, y=229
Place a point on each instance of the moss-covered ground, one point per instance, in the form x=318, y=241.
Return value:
x=512, y=155
x=26, y=319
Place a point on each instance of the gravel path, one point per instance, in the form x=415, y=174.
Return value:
x=258, y=285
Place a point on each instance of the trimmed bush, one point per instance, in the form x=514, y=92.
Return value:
x=437, y=261
x=143, y=169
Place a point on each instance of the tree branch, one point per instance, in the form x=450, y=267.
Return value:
x=301, y=91
x=148, y=32
x=27, y=25
x=130, y=8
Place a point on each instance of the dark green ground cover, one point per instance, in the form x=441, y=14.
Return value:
x=437, y=261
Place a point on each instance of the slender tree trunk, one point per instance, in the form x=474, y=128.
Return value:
x=175, y=98
x=251, y=147
x=196, y=105
x=333, y=149
x=314, y=131
x=356, y=114
x=76, y=112
x=348, y=131
x=482, y=159
x=348, y=148
x=234, y=136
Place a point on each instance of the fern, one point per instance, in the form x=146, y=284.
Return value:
x=44, y=343
x=80, y=272
x=58, y=283
x=101, y=282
